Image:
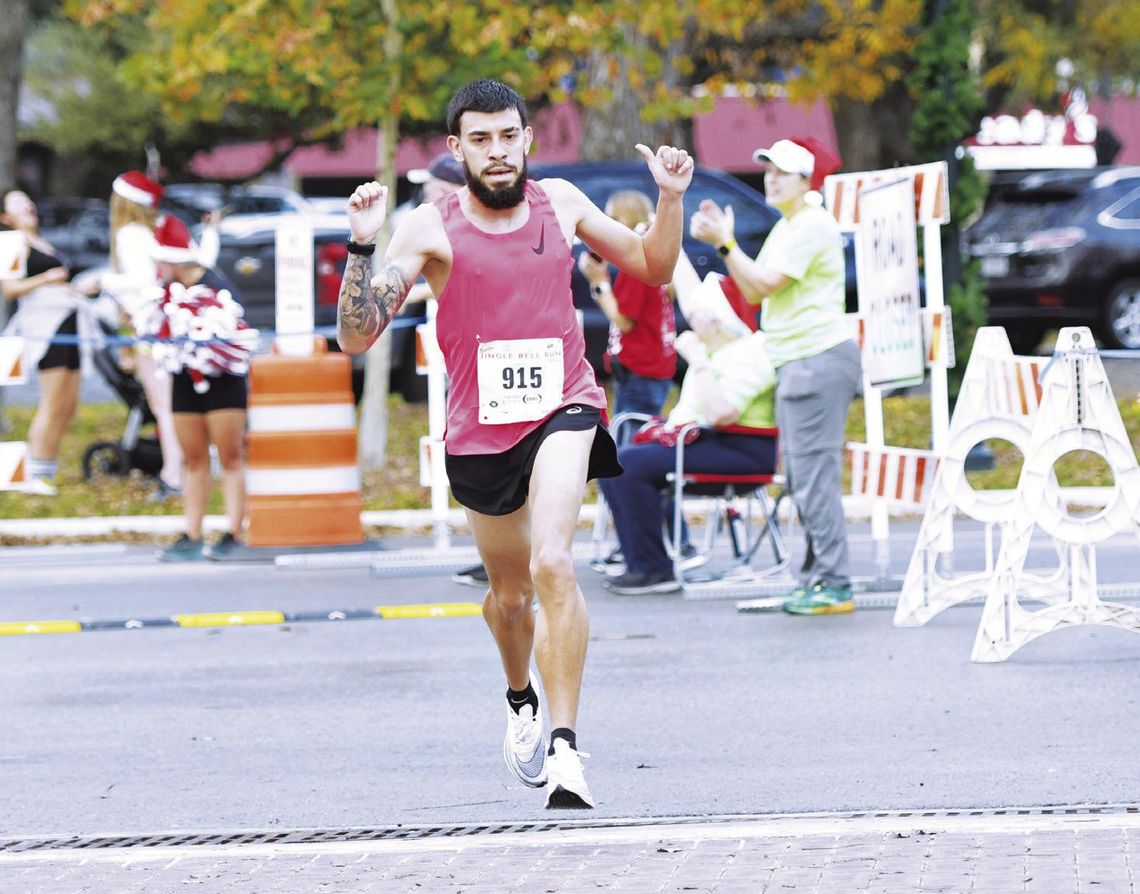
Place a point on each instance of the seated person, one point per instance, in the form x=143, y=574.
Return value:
x=730, y=382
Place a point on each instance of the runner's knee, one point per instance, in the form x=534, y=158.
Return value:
x=551, y=568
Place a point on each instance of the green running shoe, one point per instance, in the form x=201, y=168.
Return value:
x=184, y=549
x=822, y=599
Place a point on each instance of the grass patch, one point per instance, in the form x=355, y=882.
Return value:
x=906, y=419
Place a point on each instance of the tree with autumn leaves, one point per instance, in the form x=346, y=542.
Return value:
x=296, y=71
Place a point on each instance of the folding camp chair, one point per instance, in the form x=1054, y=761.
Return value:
x=737, y=505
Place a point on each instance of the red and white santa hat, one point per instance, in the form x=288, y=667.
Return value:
x=172, y=242
x=805, y=156
x=137, y=187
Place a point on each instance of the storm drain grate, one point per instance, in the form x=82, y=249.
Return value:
x=414, y=833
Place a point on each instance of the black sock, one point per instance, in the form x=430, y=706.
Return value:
x=523, y=697
x=563, y=733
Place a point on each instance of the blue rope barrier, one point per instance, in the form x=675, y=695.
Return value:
x=118, y=341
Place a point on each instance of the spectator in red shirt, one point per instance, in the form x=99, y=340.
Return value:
x=642, y=330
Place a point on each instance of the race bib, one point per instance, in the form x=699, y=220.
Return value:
x=520, y=379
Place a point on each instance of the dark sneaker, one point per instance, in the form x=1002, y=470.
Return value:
x=224, y=547
x=822, y=599
x=475, y=576
x=633, y=584
x=524, y=748
x=565, y=784
x=184, y=549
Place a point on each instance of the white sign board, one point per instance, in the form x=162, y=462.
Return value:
x=886, y=264
x=13, y=255
x=294, y=292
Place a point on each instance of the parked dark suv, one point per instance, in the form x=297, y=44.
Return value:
x=1062, y=248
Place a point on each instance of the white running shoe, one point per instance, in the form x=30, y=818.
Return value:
x=565, y=785
x=524, y=748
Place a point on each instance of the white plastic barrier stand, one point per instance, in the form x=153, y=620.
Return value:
x=13, y=453
x=1077, y=412
x=999, y=398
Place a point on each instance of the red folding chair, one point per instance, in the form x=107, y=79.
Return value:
x=741, y=508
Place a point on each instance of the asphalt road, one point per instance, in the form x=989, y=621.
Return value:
x=690, y=708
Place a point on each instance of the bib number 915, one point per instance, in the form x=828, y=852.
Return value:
x=519, y=377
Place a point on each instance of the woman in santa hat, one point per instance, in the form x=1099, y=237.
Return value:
x=133, y=282
x=799, y=280
x=205, y=344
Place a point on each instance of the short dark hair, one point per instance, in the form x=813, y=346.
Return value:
x=483, y=96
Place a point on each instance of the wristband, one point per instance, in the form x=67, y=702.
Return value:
x=725, y=250
x=600, y=289
x=366, y=250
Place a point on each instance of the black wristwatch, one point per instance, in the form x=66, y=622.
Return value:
x=367, y=250
x=725, y=250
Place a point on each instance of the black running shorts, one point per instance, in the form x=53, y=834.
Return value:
x=63, y=356
x=499, y=483
x=227, y=392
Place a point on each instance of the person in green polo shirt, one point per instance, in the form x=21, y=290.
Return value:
x=798, y=279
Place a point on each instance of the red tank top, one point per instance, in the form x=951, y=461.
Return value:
x=506, y=286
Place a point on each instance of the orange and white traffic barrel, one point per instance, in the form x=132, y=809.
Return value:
x=302, y=478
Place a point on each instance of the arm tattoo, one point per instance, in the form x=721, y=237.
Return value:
x=366, y=309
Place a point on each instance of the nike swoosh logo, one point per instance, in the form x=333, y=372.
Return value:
x=541, y=239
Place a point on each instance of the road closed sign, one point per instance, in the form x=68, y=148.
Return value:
x=886, y=264
x=294, y=281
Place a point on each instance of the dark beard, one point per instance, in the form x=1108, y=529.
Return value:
x=501, y=197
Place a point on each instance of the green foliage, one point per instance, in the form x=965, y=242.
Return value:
x=968, y=305
x=948, y=99
x=90, y=108
x=948, y=103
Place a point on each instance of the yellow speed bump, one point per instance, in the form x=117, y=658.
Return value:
x=21, y=628
x=228, y=619
x=430, y=610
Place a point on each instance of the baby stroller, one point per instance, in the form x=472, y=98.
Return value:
x=131, y=451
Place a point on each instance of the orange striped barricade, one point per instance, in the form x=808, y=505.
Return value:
x=1077, y=413
x=902, y=476
x=302, y=477
x=999, y=398
x=13, y=473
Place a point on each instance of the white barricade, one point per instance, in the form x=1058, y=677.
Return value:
x=13, y=471
x=1077, y=412
x=999, y=398
x=433, y=471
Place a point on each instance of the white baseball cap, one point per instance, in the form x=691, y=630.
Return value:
x=787, y=156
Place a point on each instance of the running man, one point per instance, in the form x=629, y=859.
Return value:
x=525, y=423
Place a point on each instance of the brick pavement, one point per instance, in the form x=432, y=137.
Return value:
x=829, y=855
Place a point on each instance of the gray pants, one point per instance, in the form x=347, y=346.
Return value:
x=812, y=399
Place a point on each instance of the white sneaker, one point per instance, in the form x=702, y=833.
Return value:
x=565, y=785
x=40, y=485
x=524, y=748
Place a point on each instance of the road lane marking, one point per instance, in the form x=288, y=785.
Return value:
x=246, y=618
